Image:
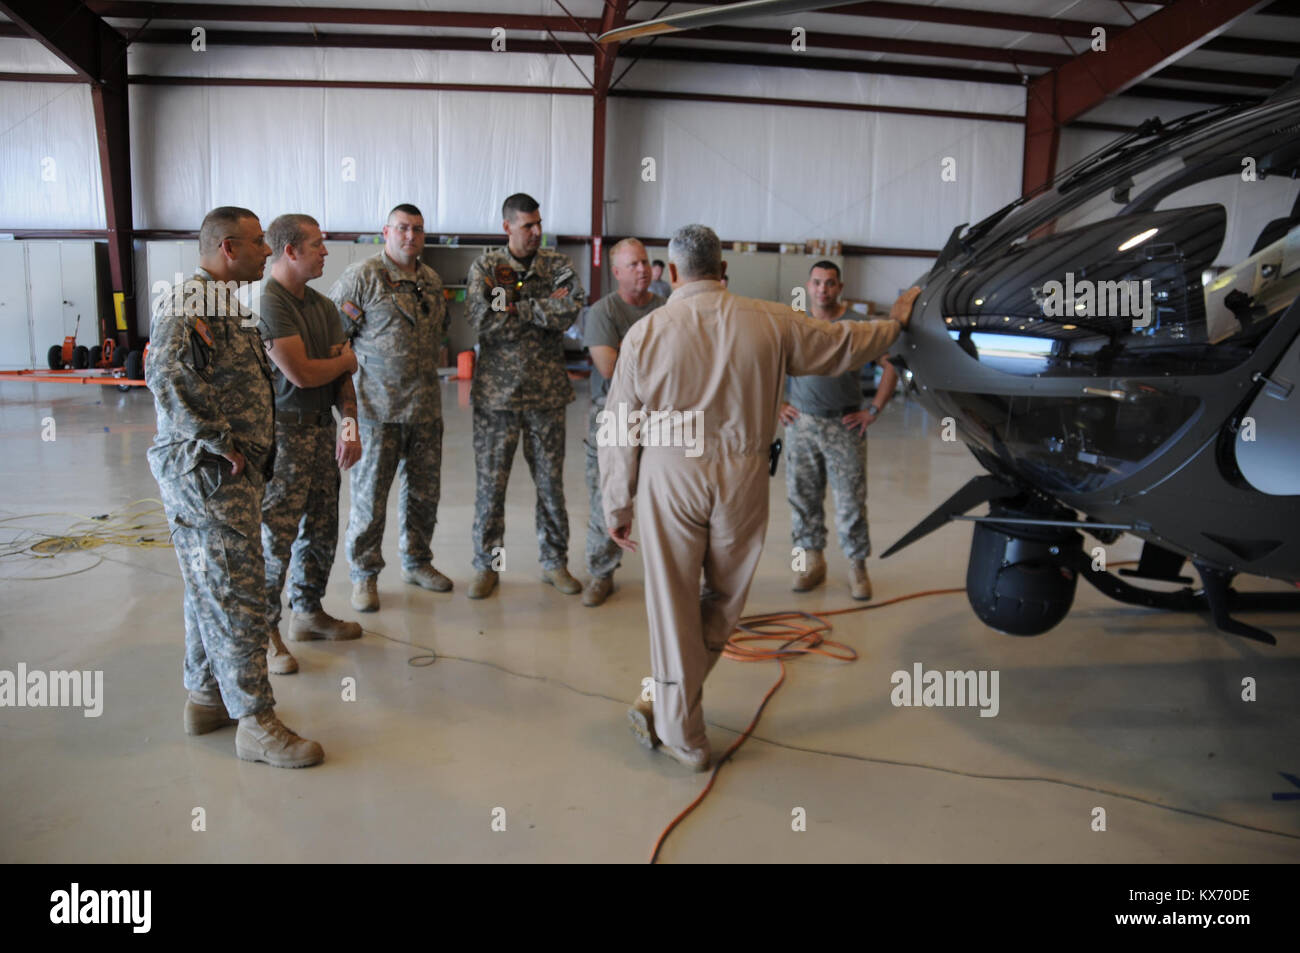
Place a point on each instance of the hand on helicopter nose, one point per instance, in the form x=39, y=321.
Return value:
x=902, y=309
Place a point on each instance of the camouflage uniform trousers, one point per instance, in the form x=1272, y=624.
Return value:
x=496, y=435
x=603, y=554
x=300, y=517
x=415, y=449
x=815, y=448
x=221, y=565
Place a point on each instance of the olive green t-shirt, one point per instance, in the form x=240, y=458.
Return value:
x=316, y=320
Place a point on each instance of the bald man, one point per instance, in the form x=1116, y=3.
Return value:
x=608, y=322
x=709, y=368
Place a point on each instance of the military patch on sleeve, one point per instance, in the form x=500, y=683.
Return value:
x=351, y=310
x=203, y=331
x=563, y=276
x=505, y=275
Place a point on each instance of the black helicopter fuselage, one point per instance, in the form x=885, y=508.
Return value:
x=1103, y=359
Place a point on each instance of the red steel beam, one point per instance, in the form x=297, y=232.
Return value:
x=663, y=53
x=97, y=53
x=872, y=44
x=694, y=54
x=1131, y=55
x=615, y=15
x=1045, y=26
x=366, y=41
x=248, y=13
x=146, y=80
x=659, y=95
x=1137, y=52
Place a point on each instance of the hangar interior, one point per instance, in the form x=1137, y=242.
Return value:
x=489, y=731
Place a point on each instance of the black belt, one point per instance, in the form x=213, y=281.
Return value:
x=836, y=414
x=304, y=418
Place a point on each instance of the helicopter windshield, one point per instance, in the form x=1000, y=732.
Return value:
x=1133, y=263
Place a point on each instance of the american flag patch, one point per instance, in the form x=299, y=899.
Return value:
x=351, y=310
x=202, y=330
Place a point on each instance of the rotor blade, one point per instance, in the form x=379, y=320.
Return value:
x=716, y=16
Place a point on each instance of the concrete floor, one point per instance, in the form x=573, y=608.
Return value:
x=1133, y=711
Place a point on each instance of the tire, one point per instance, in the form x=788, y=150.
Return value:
x=55, y=357
x=96, y=353
x=135, y=366
x=119, y=356
x=81, y=357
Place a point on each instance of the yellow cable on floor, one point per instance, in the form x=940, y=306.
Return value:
x=140, y=525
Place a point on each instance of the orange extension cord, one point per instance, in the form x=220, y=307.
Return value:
x=797, y=639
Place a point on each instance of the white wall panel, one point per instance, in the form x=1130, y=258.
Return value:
x=392, y=138
x=18, y=55
x=266, y=151
x=498, y=145
x=170, y=170
x=15, y=323
x=786, y=174
x=450, y=153
x=46, y=289
x=49, y=157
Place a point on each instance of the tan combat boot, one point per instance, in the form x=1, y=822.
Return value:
x=641, y=720
x=263, y=737
x=321, y=625
x=278, y=659
x=426, y=577
x=859, y=581
x=814, y=575
x=365, y=595
x=485, y=580
x=697, y=759
x=204, y=712
x=598, y=590
x=559, y=578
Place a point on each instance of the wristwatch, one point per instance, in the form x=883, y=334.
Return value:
x=873, y=410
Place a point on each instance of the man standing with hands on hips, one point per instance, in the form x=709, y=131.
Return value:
x=826, y=435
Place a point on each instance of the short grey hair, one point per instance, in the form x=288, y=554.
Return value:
x=696, y=251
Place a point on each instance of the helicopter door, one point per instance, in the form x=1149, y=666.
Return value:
x=1268, y=453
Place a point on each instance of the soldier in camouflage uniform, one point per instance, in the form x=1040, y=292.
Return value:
x=521, y=299
x=213, y=452
x=826, y=435
x=396, y=317
x=313, y=373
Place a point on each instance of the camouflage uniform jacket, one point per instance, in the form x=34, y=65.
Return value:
x=521, y=353
x=211, y=382
x=397, y=322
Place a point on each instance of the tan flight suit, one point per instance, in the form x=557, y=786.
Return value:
x=703, y=507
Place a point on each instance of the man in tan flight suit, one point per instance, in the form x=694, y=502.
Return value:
x=687, y=431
